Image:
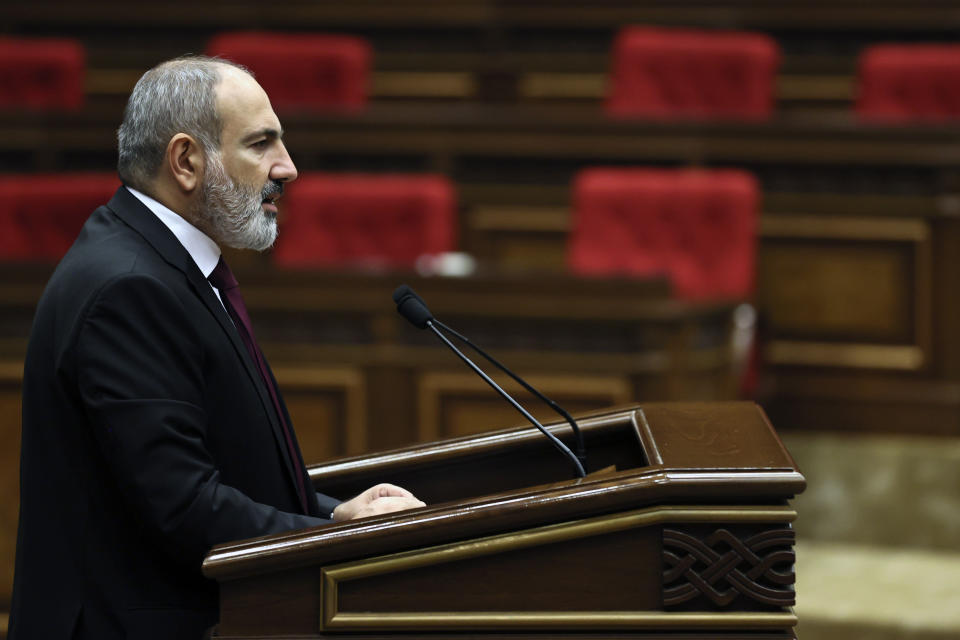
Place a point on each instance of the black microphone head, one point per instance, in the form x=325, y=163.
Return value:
x=411, y=306
x=402, y=292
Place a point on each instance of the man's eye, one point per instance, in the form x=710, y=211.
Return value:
x=260, y=144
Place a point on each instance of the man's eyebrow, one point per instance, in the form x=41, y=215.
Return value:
x=272, y=134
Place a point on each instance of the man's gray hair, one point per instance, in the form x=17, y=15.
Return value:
x=177, y=96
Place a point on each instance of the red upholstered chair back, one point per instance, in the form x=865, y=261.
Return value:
x=41, y=73
x=369, y=220
x=302, y=70
x=41, y=215
x=909, y=82
x=677, y=73
x=698, y=227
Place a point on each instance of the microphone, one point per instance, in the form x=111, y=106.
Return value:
x=414, y=309
x=411, y=306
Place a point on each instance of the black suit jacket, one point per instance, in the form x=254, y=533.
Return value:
x=148, y=437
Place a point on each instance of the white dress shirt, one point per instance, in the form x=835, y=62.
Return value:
x=203, y=250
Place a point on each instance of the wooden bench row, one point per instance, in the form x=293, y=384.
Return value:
x=494, y=50
x=545, y=139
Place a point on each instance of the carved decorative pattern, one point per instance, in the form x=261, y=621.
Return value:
x=722, y=567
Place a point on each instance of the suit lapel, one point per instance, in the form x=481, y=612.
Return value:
x=136, y=215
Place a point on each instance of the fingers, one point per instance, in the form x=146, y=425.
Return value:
x=388, y=504
x=378, y=499
x=384, y=490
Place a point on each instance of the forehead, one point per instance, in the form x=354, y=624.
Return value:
x=243, y=105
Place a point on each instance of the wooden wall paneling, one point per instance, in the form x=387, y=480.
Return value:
x=704, y=385
x=452, y=404
x=328, y=407
x=790, y=200
x=679, y=365
x=864, y=403
x=648, y=386
x=391, y=406
x=920, y=233
x=521, y=237
x=847, y=292
x=563, y=85
x=818, y=289
x=527, y=251
x=946, y=296
x=806, y=89
x=888, y=374
x=423, y=84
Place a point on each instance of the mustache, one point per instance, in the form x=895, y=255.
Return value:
x=271, y=189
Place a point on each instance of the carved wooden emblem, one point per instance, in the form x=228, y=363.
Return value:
x=722, y=566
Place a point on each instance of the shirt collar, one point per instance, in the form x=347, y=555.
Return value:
x=202, y=249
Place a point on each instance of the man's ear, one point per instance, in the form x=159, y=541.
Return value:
x=185, y=161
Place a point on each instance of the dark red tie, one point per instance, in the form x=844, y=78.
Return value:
x=222, y=278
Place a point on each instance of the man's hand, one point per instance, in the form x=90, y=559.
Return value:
x=377, y=500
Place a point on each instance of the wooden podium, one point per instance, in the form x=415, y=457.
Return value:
x=681, y=529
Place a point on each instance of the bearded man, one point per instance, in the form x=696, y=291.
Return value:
x=152, y=426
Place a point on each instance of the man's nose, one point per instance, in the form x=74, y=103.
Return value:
x=283, y=170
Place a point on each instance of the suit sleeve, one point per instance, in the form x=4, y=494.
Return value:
x=140, y=376
x=327, y=503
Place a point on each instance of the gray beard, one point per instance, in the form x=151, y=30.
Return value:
x=233, y=214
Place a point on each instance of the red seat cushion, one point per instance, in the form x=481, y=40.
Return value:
x=358, y=219
x=41, y=73
x=41, y=215
x=300, y=70
x=696, y=227
x=909, y=82
x=671, y=73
